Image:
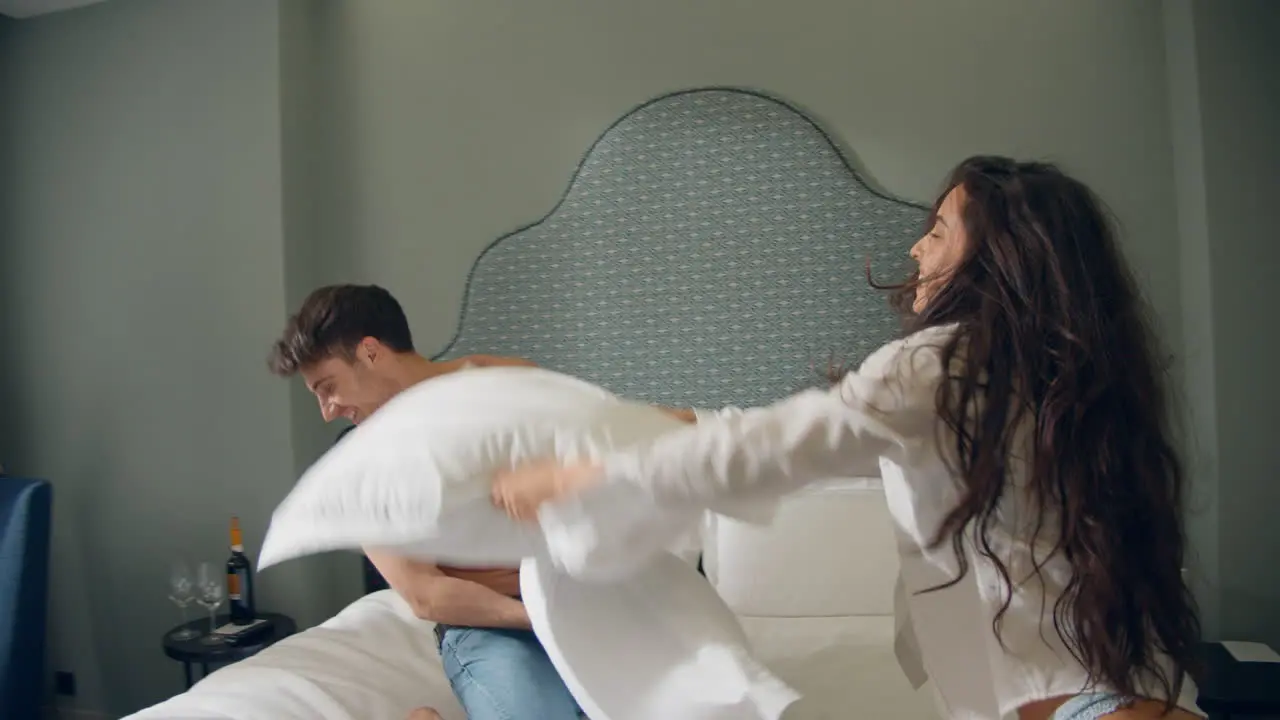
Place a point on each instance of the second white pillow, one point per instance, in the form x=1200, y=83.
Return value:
x=658, y=643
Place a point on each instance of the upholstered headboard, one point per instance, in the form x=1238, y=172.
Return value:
x=709, y=251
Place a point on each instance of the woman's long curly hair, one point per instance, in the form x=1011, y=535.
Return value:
x=1054, y=345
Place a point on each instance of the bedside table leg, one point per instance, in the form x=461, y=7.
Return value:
x=186, y=670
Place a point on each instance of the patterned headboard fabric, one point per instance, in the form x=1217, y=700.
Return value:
x=709, y=251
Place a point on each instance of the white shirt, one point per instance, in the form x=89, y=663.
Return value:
x=882, y=421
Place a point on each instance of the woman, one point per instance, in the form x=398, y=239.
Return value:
x=1020, y=427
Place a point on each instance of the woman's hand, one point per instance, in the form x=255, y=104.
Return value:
x=521, y=491
x=685, y=415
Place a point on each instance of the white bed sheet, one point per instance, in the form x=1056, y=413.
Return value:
x=372, y=661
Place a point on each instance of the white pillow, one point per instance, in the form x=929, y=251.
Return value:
x=415, y=476
x=657, y=644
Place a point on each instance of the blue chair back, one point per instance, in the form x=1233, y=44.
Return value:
x=26, y=513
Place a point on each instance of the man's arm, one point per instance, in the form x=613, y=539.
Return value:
x=434, y=596
x=437, y=597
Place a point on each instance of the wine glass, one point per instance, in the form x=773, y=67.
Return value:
x=210, y=593
x=182, y=591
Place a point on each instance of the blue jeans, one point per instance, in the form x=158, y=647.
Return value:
x=1089, y=707
x=504, y=675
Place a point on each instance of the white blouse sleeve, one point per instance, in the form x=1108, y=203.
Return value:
x=885, y=408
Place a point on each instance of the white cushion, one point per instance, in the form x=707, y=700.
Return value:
x=415, y=476
x=830, y=551
x=657, y=644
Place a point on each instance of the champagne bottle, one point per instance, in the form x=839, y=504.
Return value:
x=239, y=579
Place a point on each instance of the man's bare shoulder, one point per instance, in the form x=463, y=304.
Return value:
x=495, y=361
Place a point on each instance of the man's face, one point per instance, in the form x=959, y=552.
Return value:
x=352, y=389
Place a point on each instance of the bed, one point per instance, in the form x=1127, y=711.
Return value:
x=709, y=251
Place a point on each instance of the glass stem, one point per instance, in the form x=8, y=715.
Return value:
x=212, y=612
x=183, y=608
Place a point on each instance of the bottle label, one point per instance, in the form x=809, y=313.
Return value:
x=233, y=586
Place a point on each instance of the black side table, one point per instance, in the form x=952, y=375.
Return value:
x=1233, y=690
x=194, y=652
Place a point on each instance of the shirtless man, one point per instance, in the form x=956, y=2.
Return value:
x=352, y=346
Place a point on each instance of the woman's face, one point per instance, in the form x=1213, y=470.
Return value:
x=940, y=251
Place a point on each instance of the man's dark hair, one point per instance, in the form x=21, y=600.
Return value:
x=333, y=320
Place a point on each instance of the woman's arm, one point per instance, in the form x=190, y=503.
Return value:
x=886, y=408
x=773, y=450
x=688, y=415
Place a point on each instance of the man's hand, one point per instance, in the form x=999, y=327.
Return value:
x=434, y=596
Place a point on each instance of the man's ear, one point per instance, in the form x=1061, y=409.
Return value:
x=369, y=350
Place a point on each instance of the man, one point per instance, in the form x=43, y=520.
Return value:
x=352, y=346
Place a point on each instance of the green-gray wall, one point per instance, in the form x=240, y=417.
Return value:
x=142, y=272
x=1239, y=86
x=175, y=174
